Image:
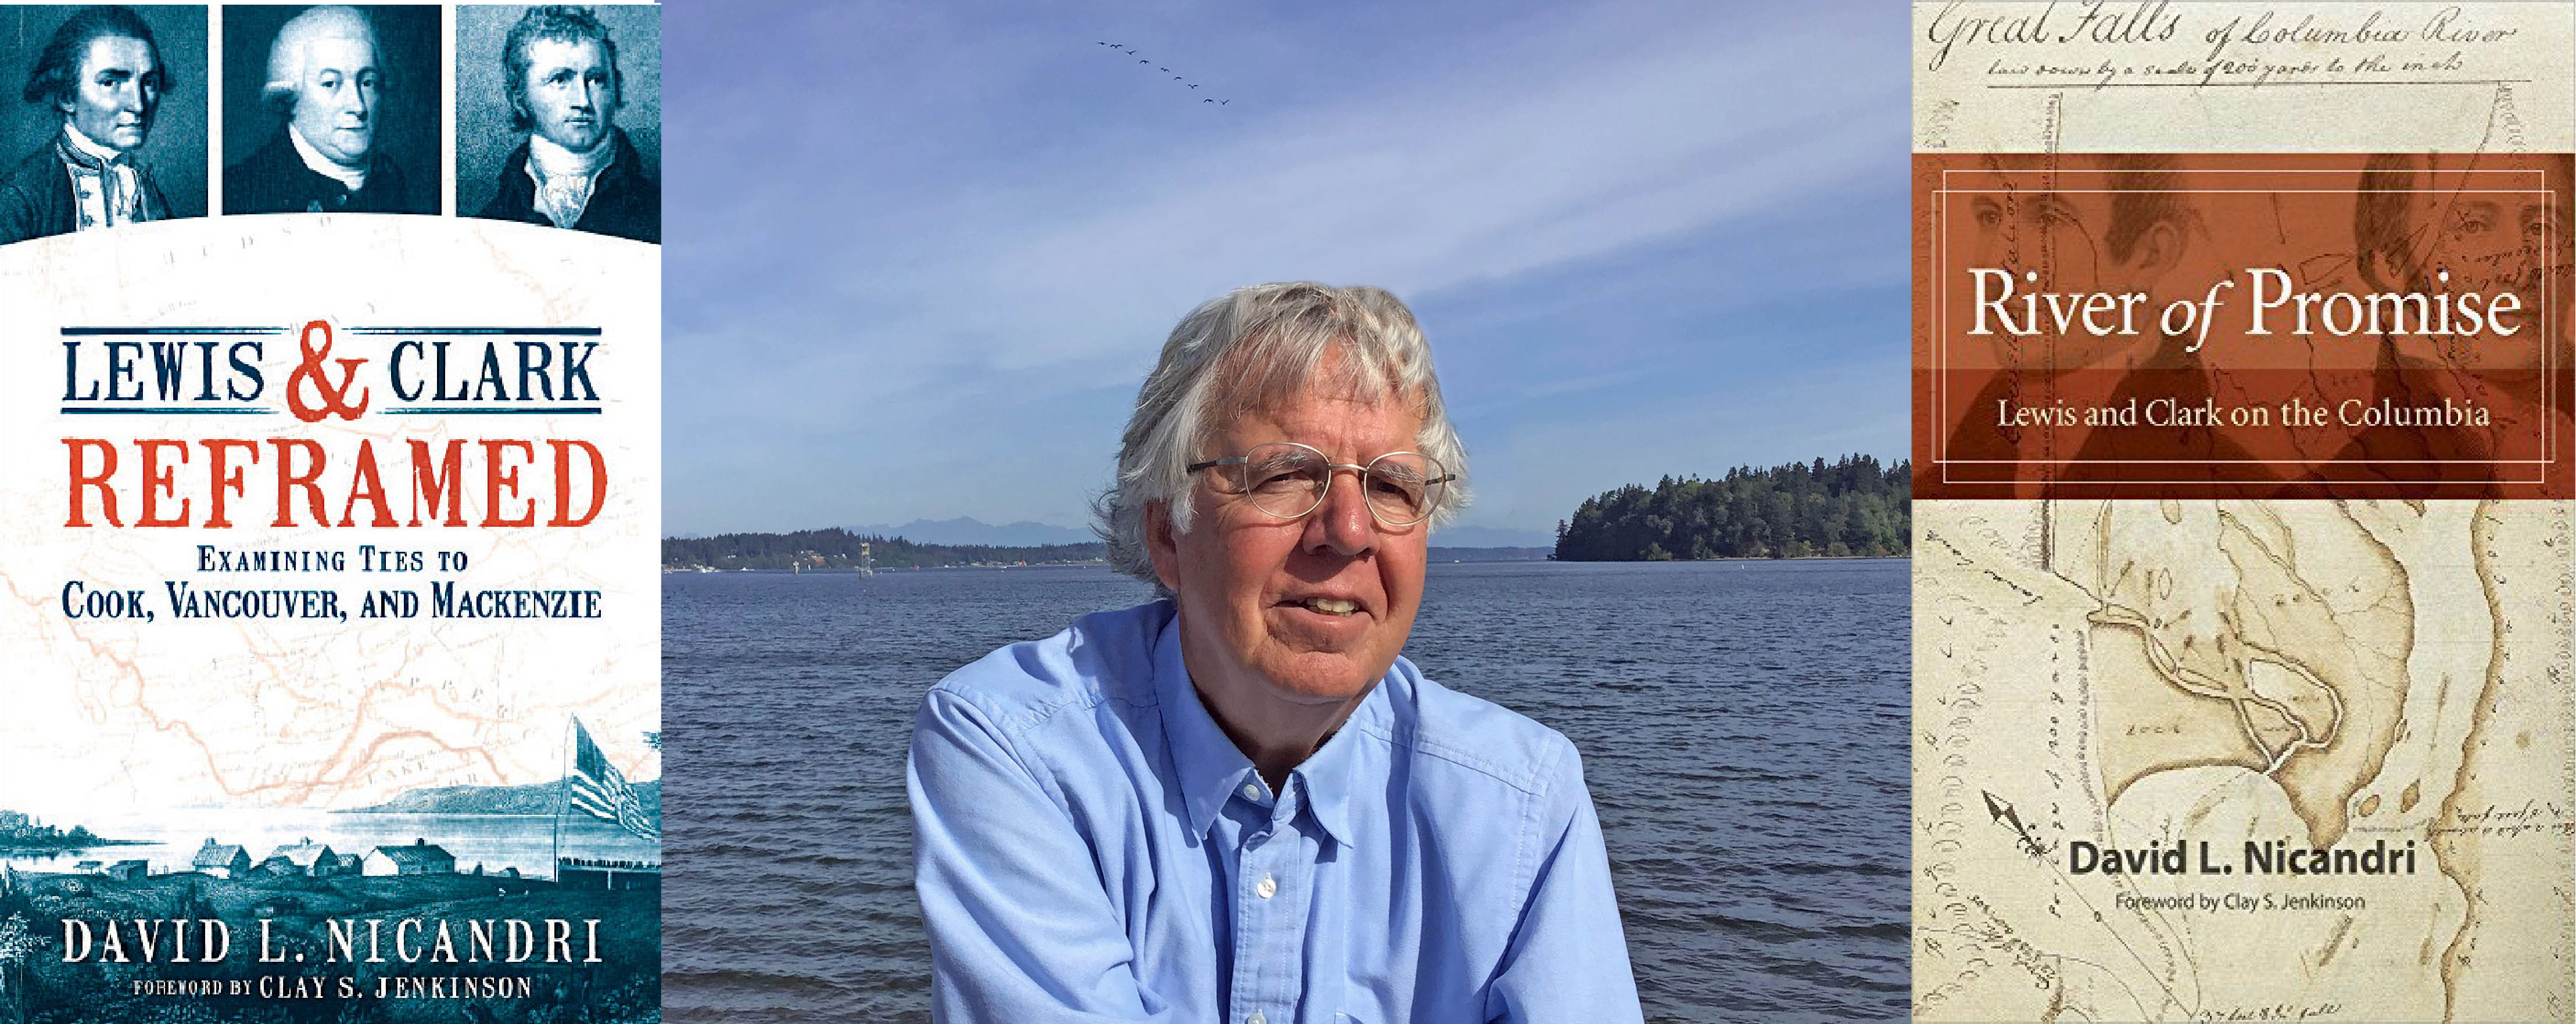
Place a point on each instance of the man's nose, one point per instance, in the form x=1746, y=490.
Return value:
x=356, y=103
x=1342, y=524
x=586, y=97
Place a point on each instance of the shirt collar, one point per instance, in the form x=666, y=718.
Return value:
x=1330, y=773
x=89, y=147
x=1211, y=768
x=351, y=178
x=1209, y=765
x=549, y=160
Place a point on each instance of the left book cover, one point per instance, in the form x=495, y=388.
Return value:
x=330, y=419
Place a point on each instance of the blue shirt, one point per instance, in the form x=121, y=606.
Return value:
x=1089, y=846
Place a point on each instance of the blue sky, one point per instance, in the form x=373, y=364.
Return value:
x=919, y=256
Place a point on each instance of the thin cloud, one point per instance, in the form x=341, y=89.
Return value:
x=1012, y=241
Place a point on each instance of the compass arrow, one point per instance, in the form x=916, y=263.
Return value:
x=2002, y=809
x=2004, y=814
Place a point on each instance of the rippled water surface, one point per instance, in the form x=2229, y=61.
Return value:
x=1742, y=727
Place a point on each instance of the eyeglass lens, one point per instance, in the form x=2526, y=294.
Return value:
x=1289, y=480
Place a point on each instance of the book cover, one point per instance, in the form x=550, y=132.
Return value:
x=329, y=483
x=2243, y=599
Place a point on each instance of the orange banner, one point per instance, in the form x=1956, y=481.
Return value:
x=2243, y=325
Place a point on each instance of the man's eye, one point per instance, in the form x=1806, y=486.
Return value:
x=559, y=78
x=1396, y=478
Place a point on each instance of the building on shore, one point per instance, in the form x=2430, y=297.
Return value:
x=420, y=858
x=221, y=860
x=306, y=859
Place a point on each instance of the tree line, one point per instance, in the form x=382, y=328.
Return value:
x=1851, y=507
x=837, y=548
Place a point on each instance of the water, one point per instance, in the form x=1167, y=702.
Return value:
x=169, y=838
x=1742, y=726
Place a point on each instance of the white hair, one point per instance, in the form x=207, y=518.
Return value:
x=1255, y=349
x=286, y=55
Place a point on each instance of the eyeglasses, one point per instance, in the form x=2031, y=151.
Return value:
x=1288, y=480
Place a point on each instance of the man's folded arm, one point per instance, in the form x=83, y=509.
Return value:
x=1568, y=960
x=1020, y=929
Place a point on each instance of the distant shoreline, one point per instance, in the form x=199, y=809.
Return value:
x=20, y=849
x=1435, y=560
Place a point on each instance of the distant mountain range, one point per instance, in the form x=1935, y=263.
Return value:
x=538, y=798
x=1441, y=554
x=1491, y=537
x=1024, y=534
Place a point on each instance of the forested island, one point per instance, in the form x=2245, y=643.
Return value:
x=20, y=833
x=535, y=798
x=1854, y=507
x=837, y=548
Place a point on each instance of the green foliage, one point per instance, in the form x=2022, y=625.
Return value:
x=837, y=548
x=1853, y=507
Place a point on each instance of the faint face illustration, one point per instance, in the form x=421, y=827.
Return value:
x=116, y=93
x=335, y=99
x=572, y=92
x=2117, y=233
x=2463, y=236
x=1313, y=609
x=2062, y=235
x=2498, y=243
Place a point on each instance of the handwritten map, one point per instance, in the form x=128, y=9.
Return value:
x=2154, y=676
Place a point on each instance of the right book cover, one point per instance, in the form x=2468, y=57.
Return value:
x=2245, y=556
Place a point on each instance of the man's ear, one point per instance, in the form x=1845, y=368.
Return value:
x=2157, y=252
x=1164, y=544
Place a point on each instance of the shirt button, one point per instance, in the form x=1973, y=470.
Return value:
x=1252, y=792
x=1269, y=887
x=1256, y=1018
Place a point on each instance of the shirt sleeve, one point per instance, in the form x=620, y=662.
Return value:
x=1020, y=929
x=1568, y=960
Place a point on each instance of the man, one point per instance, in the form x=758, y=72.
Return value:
x=577, y=169
x=2126, y=228
x=2423, y=229
x=326, y=70
x=1237, y=803
x=103, y=73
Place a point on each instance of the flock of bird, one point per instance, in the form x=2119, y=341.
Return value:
x=1130, y=51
